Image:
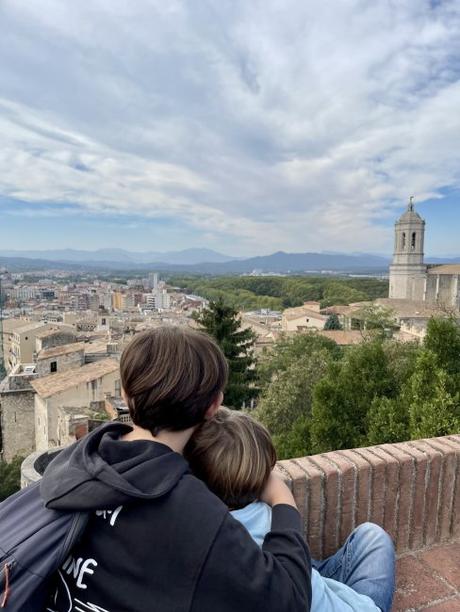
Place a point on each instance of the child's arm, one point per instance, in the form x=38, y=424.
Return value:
x=240, y=576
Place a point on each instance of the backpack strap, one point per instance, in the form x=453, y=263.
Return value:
x=76, y=530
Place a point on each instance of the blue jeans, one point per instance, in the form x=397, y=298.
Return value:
x=366, y=563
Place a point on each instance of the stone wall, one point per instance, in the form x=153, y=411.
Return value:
x=63, y=362
x=72, y=424
x=17, y=423
x=65, y=335
x=412, y=489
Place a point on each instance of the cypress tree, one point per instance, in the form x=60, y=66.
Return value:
x=223, y=323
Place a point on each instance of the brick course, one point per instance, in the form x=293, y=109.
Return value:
x=412, y=489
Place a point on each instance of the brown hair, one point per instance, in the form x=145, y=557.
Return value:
x=171, y=376
x=234, y=455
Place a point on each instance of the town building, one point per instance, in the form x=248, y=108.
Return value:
x=17, y=421
x=62, y=400
x=9, y=326
x=56, y=335
x=22, y=345
x=303, y=317
x=153, y=280
x=60, y=358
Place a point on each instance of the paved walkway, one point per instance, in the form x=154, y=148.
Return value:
x=429, y=580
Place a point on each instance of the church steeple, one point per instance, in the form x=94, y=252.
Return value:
x=408, y=257
x=409, y=237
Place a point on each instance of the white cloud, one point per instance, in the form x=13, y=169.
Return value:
x=271, y=123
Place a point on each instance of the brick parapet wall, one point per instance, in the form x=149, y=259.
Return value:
x=412, y=489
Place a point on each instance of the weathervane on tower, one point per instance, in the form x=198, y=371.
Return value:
x=411, y=203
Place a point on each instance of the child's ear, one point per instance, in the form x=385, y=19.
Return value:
x=214, y=407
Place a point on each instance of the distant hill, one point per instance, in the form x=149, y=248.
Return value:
x=282, y=262
x=279, y=262
x=187, y=256
x=439, y=260
x=191, y=262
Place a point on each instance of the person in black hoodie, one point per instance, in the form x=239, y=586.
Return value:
x=157, y=539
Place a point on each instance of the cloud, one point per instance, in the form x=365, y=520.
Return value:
x=270, y=124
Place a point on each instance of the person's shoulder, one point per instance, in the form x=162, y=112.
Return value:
x=195, y=489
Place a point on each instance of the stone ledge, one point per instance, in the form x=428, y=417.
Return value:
x=411, y=489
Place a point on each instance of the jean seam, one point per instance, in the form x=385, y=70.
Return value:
x=349, y=557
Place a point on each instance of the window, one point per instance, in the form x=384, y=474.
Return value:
x=413, y=241
x=403, y=241
x=53, y=366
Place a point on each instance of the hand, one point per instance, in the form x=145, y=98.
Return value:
x=277, y=492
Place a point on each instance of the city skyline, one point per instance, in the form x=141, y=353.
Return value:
x=244, y=128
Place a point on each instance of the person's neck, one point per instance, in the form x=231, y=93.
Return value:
x=176, y=440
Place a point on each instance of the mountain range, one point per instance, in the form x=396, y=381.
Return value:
x=199, y=261
x=187, y=256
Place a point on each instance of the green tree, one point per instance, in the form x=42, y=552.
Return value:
x=388, y=417
x=10, y=477
x=296, y=442
x=336, y=292
x=433, y=411
x=223, y=323
x=402, y=361
x=286, y=403
x=276, y=292
x=341, y=400
x=388, y=421
x=374, y=320
x=290, y=349
x=333, y=322
x=443, y=339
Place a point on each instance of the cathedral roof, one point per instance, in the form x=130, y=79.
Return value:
x=409, y=216
x=453, y=269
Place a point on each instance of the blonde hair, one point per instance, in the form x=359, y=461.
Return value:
x=234, y=455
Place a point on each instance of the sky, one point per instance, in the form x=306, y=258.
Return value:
x=246, y=127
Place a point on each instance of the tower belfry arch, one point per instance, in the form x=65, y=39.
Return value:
x=408, y=270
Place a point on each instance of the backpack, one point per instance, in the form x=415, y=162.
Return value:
x=34, y=542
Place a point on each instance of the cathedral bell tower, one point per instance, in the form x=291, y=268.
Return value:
x=408, y=271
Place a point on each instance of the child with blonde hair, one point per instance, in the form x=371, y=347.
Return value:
x=234, y=455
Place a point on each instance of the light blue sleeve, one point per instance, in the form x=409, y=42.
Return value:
x=327, y=595
x=257, y=518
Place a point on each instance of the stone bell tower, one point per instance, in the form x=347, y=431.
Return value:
x=408, y=271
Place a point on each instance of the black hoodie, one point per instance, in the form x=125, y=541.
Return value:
x=159, y=541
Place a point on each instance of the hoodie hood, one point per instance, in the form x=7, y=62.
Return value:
x=102, y=471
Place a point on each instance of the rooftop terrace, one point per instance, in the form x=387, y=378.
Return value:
x=57, y=383
x=63, y=349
